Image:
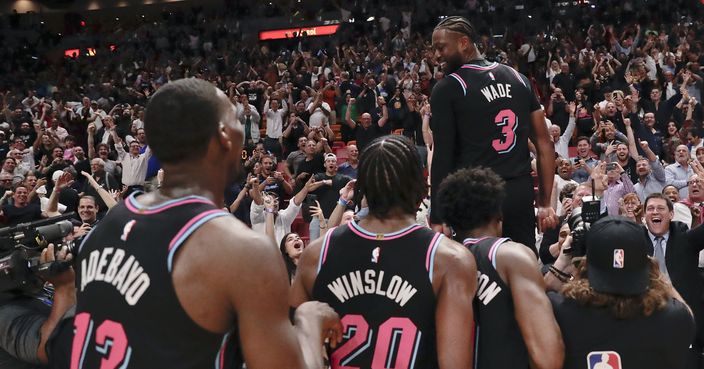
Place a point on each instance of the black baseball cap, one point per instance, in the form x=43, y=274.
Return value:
x=617, y=257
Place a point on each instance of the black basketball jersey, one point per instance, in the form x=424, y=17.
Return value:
x=595, y=339
x=498, y=340
x=497, y=104
x=128, y=314
x=381, y=285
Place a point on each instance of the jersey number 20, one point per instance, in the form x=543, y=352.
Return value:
x=110, y=342
x=396, y=343
x=507, y=121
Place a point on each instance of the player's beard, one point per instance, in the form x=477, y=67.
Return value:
x=452, y=63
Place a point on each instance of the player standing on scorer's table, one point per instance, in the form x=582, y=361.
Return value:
x=483, y=115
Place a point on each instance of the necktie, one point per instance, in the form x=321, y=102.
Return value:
x=660, y=256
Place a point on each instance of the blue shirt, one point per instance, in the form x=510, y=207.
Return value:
x=348, y=170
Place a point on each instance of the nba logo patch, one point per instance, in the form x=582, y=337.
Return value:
x=491, y=75
x=618, y=258
x=127, y=229
x=375, y=255
x=603, y=360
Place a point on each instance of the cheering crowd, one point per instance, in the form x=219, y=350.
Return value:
x=620, y=86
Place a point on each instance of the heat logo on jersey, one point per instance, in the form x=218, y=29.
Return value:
x=375, y=255
x=604, y=360
x=618, y=258
x=127, y=229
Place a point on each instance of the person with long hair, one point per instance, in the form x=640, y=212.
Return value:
x=616, y=308
x=291, y=247
x=631, y=208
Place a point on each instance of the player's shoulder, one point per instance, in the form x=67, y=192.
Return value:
x=451, y=253
x=226, y=239
x=451, y=83
x=514, y=256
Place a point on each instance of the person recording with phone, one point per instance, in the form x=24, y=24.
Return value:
x=327, y=193
x=606, y=137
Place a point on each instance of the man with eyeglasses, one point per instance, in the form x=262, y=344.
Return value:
x=677, y=251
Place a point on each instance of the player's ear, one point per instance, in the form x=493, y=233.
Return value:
x=465, y=43
x=223, y=137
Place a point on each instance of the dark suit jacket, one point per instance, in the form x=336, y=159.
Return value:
x=682, y=259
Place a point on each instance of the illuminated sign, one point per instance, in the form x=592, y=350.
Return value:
x=279, y=34
x=70, y=53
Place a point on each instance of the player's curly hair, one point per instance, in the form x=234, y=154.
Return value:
x=470, y=198
x=390, y=176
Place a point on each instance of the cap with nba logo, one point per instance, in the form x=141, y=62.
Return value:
x=617, y=257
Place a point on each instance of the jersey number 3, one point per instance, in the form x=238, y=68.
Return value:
x=507, y=121
x=110, y=342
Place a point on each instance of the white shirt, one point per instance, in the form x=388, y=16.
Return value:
x=318, y=117
x=693, y=150
x=60, y=132
x=562, y=144
x=274, y=121
x=134, y=169
x=282, y=222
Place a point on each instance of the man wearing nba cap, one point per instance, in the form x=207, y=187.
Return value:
x=617, y=311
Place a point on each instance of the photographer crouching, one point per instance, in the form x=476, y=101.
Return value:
x=37, y=289
x=28, y=320
x=616, y=309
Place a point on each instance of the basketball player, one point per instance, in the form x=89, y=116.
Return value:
x=515, y=326
x=403, y=291
x=155, y=277
x=483, y=114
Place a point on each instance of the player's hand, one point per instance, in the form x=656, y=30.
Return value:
x=546, y=218
x=319, y=316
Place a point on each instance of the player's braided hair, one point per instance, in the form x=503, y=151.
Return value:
x=470, y=198
x=457, y=24
x=390, y=176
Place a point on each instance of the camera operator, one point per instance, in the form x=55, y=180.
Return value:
x=28, y=320
x=618, y=310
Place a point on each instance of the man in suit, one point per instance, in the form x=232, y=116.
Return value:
x=677, y=250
